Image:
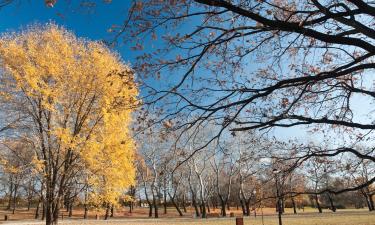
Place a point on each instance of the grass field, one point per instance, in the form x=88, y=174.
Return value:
x=309, y=217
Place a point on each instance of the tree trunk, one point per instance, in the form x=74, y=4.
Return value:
x=28, y=204
x=317, y=204
x=44, y=209
x=154, y=203
x=197, y=214
x=333, y=207
x=14, y=198
x=37, y=209
x=204, y=213
x=10, y=193
x=86, y=211
x=165, y=201
x=294, y=205
x=175, y=205
x=223, y=209
x=107, y=212
x=247, y=207
x=184, y=203
x=70, y=209
x=243, y=207
x=371, y=201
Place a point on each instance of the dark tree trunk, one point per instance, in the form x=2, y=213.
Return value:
x=317, y=204
x=10, y=193
x=371, y=201
x=333, y=207
x=154, y=203
x=14, y=198
x=247, y=205
x=28, y=204
x=37, y=209
x=86, y=211
x=176, y=206
x=367, y=200
x=208, y=208
x=44, y=209
x=165, y=201
x=184, y=203
x=70, y=209
x=204, y=213
x=223, y=209
x=107, y=212
x=197, y=214
x=150, y=210
x=243, y=207
x=294, y=206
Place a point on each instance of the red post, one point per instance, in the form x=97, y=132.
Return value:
x=239, y=221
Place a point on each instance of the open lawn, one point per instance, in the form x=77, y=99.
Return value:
x=309, y=217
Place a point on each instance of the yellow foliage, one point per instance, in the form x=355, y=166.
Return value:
x=87, y=92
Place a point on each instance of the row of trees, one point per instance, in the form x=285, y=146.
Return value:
x=236, y=173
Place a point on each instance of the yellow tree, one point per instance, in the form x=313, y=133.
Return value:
x=77, y=97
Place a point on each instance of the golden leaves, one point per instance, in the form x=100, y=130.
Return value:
x=87, y=95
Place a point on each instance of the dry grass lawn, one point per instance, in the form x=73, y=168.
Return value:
x=309, y=217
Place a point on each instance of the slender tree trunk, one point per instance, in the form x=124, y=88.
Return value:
x=243, y=207
x=197, y=214
x=317, y=204
x=371, y=201
x=107, y=212
x=70, y=208
x=204, y=213
x=44, y=209
x=28, y=204
x=156, y=213
x=247, y=205
x=14, y=198
x=165, y=201
x=37, y=209
x=367, y=200
x=86, y=211
x=208, y=207
x=294, y=205
x=10, y=193
x=333, y=207
x=184, y=203
x=112, y=211
x=223, y=209
x=172, y=198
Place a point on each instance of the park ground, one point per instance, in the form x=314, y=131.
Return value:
x=139, y=217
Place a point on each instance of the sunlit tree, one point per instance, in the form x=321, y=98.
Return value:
x=76, y=98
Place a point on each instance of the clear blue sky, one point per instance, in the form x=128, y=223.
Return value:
x=89, y=22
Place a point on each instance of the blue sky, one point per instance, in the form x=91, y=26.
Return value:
x=89, y=22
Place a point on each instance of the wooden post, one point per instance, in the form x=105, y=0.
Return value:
x=5, y=217
x=62, y=216
x=239, y=221
x=231, y=214
x=97, y=217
